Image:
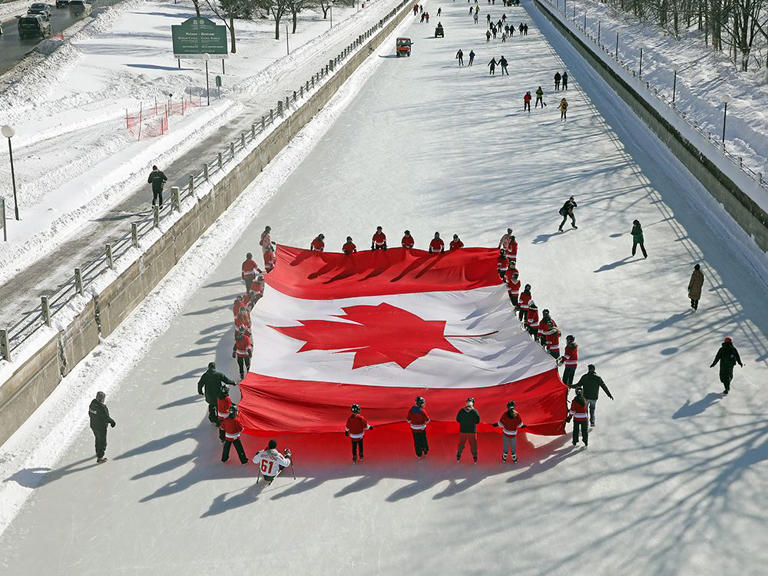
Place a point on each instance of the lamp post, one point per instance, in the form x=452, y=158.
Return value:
x=207, y=57
x=331, y=11
x=640, y=74
x=726, y=99
x=9, y=132
x=674, y=86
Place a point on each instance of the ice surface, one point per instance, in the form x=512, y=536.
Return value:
x=673, y=481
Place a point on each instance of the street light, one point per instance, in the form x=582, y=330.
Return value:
x=207, y=57
x=331, y=11
x=726, y=99
x=640, y=74
x=8, y=132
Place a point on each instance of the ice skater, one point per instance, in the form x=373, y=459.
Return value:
x=510, y=422
x=98, y=413
x=158, y=180
x=591, y=384
x=578, y=412
x=232, y=429
x=379, y=240
x=566, y=211
x=540, y=98
x=527, y=102
x=209, y=386
x=355, y=429
x=418, y=419
x=695, y=284
x=460, y=57
x=563, y=107
x=471, y=57
x=468, y=419
x=557, y=81
x=271, y=462
x=727, y=356
x=503, y=63
x=570, y=358
x=637, y=238
x=564, y=80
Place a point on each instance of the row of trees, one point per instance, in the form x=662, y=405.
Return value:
x=230, y=10
x=741, y=26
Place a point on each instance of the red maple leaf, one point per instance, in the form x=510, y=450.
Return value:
x=376, y=335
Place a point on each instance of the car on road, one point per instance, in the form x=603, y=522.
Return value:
x=34, y=26
x=43, y=10
x=62, y=3
x=78, y=7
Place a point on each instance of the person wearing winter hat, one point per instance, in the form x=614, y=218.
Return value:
x=510, y=422
x=418, y=419
x=728, y=357
x=591, y=383
x=570, y=358
x=695, y=284
x=468, y=419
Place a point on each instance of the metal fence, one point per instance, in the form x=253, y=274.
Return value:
x=83, y=277
x=659, y=93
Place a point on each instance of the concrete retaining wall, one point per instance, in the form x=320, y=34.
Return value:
x=739, y=205
x=33, y=381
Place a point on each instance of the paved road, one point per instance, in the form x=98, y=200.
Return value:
x=23, y=292
x=12, y=49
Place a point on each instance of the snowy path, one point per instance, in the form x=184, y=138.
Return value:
x=117, y=165
x=674, y=477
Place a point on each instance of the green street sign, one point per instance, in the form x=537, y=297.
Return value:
x=196, y=37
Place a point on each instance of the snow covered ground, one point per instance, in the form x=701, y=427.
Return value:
x=704, y=77
x=74, y=156
x=674, y=477
x=10, y=9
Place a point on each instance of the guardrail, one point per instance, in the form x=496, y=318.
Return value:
x=13, y=337
x=657, y=92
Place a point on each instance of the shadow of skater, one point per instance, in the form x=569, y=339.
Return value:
x=688, y=409
x=541, y=238
x=612, y=265
x=35, y=477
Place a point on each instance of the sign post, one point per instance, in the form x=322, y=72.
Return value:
x=200, y=38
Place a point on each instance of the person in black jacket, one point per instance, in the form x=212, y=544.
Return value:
x=728, y=357
x=468, y=419
x=210, y=386
x=158, y=180
x=591, y=384
x=567, y=211
x=99, y=415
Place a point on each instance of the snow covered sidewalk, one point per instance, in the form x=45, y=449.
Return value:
x=93, y=164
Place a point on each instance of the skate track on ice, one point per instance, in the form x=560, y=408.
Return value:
x=674, y=479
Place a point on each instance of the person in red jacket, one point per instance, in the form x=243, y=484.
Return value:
x=437, y=244
x=407, y=241
x=527, y=102
x=510, y=422
x=355, y=429
x=243, y=322
x=523, y=301
x=269, y=260
x=552, y=338
x=511, y=252
x=257, y=288
x=532, y=319
x=240, y=302
x=266, y=241
x=456, y=243
x=579, y=414
x=249, y=270
x=349, y=246
x=571, y=359
x=504, y=242
x=223, y=404
x=243, y=352
x=232, y=430
x=318, y=244
x=502, y=263
x=418, y=419
x=379, y=240
x=513, y=285
x=541, y=337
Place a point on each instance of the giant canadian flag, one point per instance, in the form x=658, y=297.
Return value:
x=378, y=328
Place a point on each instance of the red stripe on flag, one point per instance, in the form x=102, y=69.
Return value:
x=276, y=405
x=326, y=275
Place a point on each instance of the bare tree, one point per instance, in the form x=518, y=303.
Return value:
x=324, y=5
x=296, y=6
x=227, y=11
x=276, y=9
x=196, y=3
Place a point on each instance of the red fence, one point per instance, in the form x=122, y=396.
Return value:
x=152, y=121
